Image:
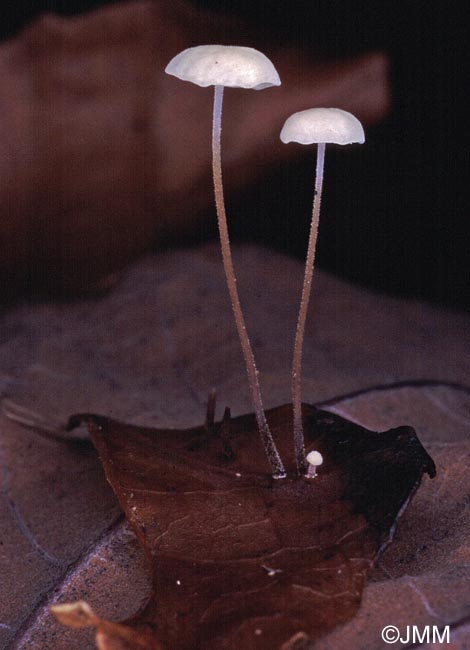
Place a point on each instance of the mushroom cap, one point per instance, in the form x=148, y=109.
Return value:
x=314, y=458
x=328, y=125
x=224, y=65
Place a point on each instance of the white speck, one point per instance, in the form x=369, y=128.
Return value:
x=178, y=582
x=258, y=631
x=238, y=475
x=134, y=508
x=239, y=504
x=270, y=571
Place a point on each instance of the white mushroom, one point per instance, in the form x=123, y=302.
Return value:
x=314, y=459
x=313, y=126
x=237, y=67
x=322, y=126
x=224, y=65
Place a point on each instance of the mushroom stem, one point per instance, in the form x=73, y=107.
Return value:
x=266, y=436
x=299, y=443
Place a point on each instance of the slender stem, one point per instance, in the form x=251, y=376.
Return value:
x=299, y=444
x=266, y=437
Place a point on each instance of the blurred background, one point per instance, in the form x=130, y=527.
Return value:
x=395, y=210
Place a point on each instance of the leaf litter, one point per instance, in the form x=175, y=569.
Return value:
x=237, y=558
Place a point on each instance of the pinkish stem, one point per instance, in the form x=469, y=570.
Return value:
x=266, y=436
x=299, y=444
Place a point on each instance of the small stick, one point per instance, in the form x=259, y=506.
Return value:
x=210, y=413
x=224, y=433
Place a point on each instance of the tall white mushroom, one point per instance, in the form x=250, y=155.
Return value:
x=314, y=126
x=237, y=67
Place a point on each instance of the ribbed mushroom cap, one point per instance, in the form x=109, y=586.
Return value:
x=224, y=65
x=328, y=125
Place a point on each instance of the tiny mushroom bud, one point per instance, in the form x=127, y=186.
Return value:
x=237, y=67
x=314, y=459
x=313, y=126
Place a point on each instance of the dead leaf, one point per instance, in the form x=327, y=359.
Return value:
x=78, y=614
x=240, y=560
x=148, y=353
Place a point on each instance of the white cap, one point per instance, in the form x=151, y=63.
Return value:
x=314, y=458
x=326, y=125
x=224, y=65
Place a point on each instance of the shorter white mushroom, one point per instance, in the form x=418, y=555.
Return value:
x=314, y=459
x=313, y=126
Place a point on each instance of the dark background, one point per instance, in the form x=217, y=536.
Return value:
x=397, y=208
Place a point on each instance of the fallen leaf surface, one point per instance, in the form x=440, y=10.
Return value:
x=112, y=574
x=239, y=559
x=149, y=352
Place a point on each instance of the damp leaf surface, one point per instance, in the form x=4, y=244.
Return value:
x=238, y=559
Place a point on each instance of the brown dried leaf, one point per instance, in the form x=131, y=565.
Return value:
x=102, y=576
x=53, y=504
x=77, y=614
x=239, y=559
x=149, y=353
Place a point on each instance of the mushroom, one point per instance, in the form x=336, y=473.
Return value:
x=314, y=459
x=313, y=126
x=237, y=67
